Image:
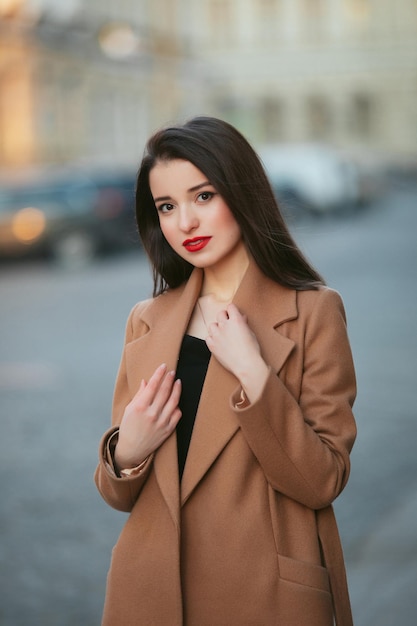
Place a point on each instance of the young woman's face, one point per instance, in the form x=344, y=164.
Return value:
x=194, y=218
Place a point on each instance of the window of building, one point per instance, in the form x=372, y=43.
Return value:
x=102, y=120
x=361, y=117
x=271, y=120
x=221, y=20
x=319, y=118
x=312, y=15
x=268, y=15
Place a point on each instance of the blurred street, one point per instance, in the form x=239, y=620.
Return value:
x=60, y=342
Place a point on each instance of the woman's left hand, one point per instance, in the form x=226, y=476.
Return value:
x=235, y=346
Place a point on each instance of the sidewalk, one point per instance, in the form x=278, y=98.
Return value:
x=383, y=577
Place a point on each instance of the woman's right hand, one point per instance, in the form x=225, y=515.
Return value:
x=149, y=418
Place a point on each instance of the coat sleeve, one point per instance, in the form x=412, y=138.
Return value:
x=120, y=493
x=303, y=444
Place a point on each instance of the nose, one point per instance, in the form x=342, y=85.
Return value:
x=188, y=219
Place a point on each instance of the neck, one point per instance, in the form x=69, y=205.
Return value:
x=223, y=280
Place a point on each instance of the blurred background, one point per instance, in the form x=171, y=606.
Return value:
x=326, y=91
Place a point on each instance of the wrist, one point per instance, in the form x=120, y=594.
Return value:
x=253, y=379
x=124, y=462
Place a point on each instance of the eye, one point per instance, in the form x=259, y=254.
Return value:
x=165, y=208
x=205, y=195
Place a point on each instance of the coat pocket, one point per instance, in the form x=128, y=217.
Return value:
x=303, y=573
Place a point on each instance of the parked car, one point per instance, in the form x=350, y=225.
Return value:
x=71, y=217
x=311, y=177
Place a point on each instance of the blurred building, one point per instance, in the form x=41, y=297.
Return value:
x=84, y=79
x=87, y=79
x=343, y=71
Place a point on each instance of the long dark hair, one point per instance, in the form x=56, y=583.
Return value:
x=232, y=166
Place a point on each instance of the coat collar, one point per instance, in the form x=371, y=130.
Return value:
x=267, y=305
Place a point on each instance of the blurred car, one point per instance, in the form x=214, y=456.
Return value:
x=71, y=217
x=311, y=178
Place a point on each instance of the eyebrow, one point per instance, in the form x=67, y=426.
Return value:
x=191, y=190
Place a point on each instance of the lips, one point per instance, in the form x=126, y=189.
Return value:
x=196, y=244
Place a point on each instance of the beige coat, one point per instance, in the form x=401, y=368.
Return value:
x=248, y=538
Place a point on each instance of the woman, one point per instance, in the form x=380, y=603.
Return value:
x=232, y=418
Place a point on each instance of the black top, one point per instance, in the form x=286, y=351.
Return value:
x=192, y=367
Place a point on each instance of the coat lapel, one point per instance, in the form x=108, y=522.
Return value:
x=167, y=319
x=267, y=305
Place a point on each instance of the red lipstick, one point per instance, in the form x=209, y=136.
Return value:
x=196, y=244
